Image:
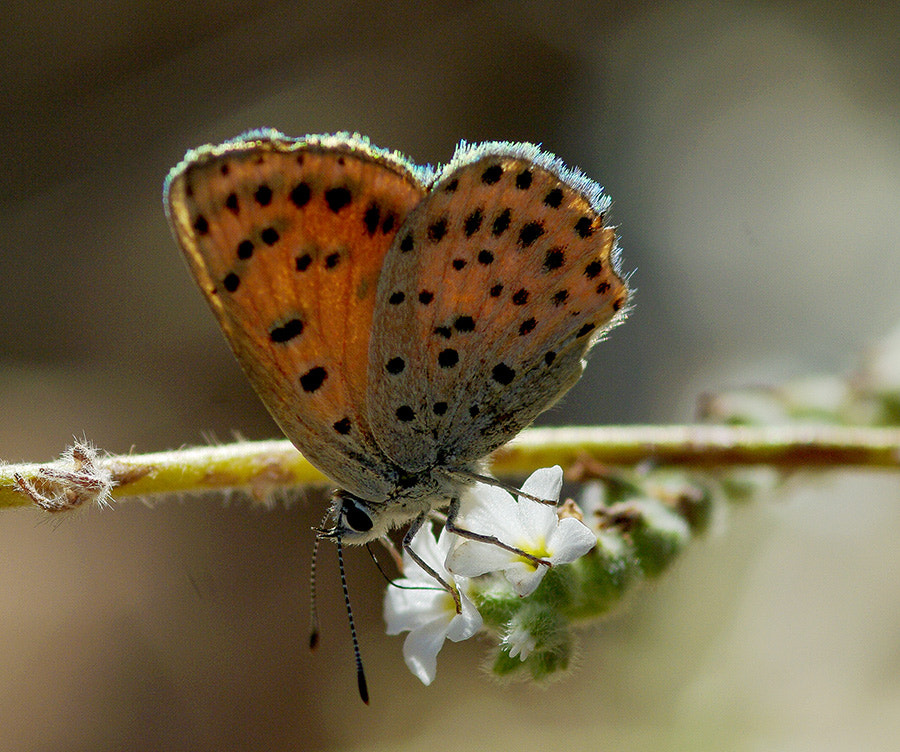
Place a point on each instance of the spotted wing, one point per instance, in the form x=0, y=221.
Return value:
x=496, y=287
x=286, y=240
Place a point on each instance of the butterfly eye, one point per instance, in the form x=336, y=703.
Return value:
x=355, y=515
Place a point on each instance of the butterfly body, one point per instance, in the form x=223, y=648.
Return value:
x=399, y=323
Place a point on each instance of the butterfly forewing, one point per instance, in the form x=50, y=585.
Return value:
x=286, y=240
x=494, y=290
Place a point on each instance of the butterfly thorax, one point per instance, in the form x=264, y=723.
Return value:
x=359, y=520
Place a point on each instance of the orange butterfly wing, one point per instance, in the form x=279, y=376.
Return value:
x=286, y=239
x=500, y=282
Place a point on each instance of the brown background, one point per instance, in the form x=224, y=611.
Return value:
x=753, y=156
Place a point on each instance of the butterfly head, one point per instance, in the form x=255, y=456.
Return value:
x=354, y=519
x=358, y=521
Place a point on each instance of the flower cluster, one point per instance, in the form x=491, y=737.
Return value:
x=530, y=606
x=869, y=396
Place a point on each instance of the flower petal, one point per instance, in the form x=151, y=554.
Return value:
x=519, y=641
x=428, y=611
x=484, y=507
x=544, y=483
x=525, y=524
x=421, y=647
x=466, y=624
x=536, y=523
x=471, y=558
x=406, y=609
x=524, y=578
x=571, y=540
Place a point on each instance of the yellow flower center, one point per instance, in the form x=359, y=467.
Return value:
x=537, y=549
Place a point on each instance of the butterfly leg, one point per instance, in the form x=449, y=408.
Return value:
x=488, y=480
x=414, y=528
x=451, y=526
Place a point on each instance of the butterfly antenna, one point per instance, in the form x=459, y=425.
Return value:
x=313, y=607
x=360, y=673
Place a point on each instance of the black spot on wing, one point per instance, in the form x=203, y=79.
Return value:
x=448, y=358
x=501, y=223
x=245, y=250
x=231, y=282
x=492, y=175
x=530, y=232
x=300, y=195
x=437, y=230
x=286, y=331
x=263, y=195
x=473, y=223
x=313, y=379
x=395, y=366
x=464, y=324
x=503, y=374
x=554, y=198
x=583, y=227
x=554, y=259
x=372, y=218
x=337, y=198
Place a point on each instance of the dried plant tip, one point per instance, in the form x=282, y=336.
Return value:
x=570, y=509
x=78, y=478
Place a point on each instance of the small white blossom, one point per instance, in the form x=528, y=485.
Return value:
x=593, y=503
x=527, y=525
x=664, y=519
x=594, y=508
x=882, y=371
x=520, y=642
x=427, y=611
x=655, y=513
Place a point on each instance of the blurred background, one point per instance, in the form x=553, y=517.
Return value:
x=753, y=155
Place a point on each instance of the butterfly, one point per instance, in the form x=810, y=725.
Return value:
x=399, y=322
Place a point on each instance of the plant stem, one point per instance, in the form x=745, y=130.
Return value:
x=266, y=466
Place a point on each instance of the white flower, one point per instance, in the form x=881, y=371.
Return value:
x=664, y=520
x=595, y=509
x=519, y=641
x=657, y=514
x=426, y=610
x=524, y=524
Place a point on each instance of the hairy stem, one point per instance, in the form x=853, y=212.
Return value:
x=263, y=467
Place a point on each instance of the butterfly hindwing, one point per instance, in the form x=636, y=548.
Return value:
x=286, y=240
x=494, y=290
